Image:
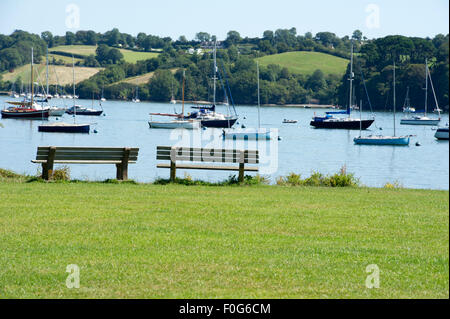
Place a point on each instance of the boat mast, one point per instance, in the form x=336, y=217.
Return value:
x=73, y=78
x=182, y=93
x=47, y=75
x=351, y=83
x=360, y=118
x=426, y=86
x=434, y=93
x=394, y=96
x=259, y=99
x=32, y=85
x=215, y=72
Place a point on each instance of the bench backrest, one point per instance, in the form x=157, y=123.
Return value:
x=87, y=153
x=209, y=155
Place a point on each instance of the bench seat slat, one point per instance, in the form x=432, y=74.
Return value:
x=208, y=167
x=209, y=160
x=185, y=150
x=86, y=148
x=87, y=157
x=81, y=162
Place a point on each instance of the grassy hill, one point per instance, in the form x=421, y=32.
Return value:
x=305, y=62
x=153, y=241
x=58, y=74
x=129, y=55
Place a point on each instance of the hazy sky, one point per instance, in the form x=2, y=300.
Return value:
x=251, y=18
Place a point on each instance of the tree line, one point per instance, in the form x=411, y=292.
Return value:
x=373, y=66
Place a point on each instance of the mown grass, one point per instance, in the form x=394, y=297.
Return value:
x=133, y=56
x=58, y=74
x=173, y=241
x=128, y=55
x=303, y=62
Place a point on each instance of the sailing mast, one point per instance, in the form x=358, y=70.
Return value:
x=32, y=85
x=426, y=86
x=73, y=78
x=394, y=97
x=215, y=72
x=259, y=100
x=48, y=93
x=184, y=76
x=351, y=84
x=434, y=93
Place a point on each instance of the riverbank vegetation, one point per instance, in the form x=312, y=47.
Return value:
x=282, y=54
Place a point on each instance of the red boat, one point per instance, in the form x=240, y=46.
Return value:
x=24, y=112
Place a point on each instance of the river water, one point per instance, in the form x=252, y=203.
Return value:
x=302, y=149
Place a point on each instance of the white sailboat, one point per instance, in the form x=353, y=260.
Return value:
x=424, y=120
x=250, y=133
x=179, y=123
x=136, y=99
x=380, y=139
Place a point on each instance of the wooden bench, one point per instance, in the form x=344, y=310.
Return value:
x=120, y=156
x=207, y=155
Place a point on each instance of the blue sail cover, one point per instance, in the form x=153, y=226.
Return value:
x=339, y=112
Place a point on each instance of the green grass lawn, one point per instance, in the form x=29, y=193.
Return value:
x=133, y=56
x=173, y=241
x=76, y=49
x=304, y=62
x=128, y=55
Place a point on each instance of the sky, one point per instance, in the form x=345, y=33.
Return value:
x=249, y=17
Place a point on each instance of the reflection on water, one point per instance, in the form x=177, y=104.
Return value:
x=302, y=149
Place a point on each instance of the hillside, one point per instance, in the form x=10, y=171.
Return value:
x=307, y=62
x=58, y=74
x=85, y=50
x=140, y=79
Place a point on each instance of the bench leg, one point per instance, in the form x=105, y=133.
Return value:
x=45, y=174
x=241, y=173
x=173, y=171
x=119, y=174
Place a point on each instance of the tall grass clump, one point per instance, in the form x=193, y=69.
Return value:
x=340, y=179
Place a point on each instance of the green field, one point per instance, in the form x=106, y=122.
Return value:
x=128, y=55
x=304, y=62
x=153, y=241
x=76, y=49
x=133, y=56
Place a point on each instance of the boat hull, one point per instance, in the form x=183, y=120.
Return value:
x=189, y=125
x=25, y=114
x=56, y=112
x=86, y=113
x=441, y=134
x=430, y=122
x=219, y=123
x=391, y=140
x=76, y=128
x=343, y=125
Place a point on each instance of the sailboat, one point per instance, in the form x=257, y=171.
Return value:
x=172, y=100
x=348, y=123
x=383, y=140
x=59, y=127
x=102, y=99
x=407, y=108
x=178, y=123
x=136, y=99
x=424, y=120
x=207, y=114
x=25, y=109
x=250, y=134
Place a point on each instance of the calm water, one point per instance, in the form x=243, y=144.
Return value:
x=302, y=149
